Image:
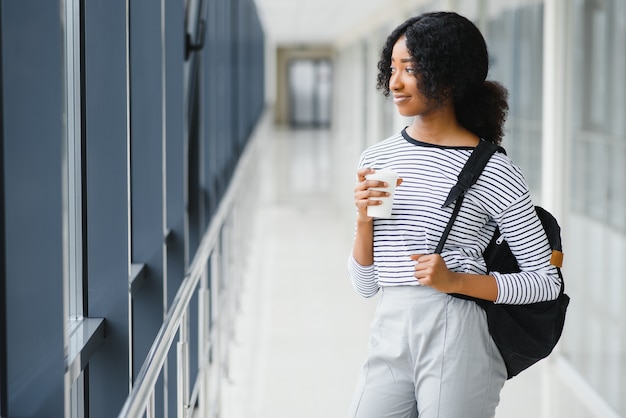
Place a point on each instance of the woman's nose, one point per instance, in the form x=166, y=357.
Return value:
x=395, y=82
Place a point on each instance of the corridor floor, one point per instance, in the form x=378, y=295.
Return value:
x=301, y=331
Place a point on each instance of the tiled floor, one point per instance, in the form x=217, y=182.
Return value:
x=302, y=331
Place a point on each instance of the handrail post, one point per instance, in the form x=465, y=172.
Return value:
x=216, y=269
x=182, y=371
x=203, y=343
x=151, y=408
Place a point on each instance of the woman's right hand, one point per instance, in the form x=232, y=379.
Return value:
x=363, y=192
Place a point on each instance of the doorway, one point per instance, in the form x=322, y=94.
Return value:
x=310, y=93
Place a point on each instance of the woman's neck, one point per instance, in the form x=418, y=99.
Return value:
x=441, y=128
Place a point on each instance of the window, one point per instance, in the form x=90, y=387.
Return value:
x=520, y=70
x=595, y=343
x=73, y=167
x=599, y=152
x=73, y=209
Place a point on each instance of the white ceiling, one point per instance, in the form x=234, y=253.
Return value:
x=317, y=21
x=296, y=22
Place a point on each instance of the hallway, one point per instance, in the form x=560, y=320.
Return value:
x=137, y=143
x=301, y=333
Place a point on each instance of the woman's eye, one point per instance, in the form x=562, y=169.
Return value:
x=392, y=69
x=410, y=70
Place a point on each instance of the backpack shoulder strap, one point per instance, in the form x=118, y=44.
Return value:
x=553, y=232
x=472, y=169
x=467, y=177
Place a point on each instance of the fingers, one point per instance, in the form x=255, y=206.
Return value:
x=417, y=274
x=431, y=270
x=369, y=184
x=362, y=172
x=365, y=192
x=421, y=258
x=425, y=267
x=366, y=198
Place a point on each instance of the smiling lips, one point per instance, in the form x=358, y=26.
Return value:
x=399, y=99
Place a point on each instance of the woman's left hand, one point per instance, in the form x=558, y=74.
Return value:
x=431, y=270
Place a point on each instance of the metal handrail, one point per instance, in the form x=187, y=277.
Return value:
x=138, y=401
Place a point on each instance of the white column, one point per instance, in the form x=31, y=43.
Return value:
x=555, y=149
x=555, y=81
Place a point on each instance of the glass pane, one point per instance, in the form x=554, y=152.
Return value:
x=618, y=121
x=72, y=166
x=72, y=196
x=520, y=70
x=324, y=91
x=302, y=91
x=598, y=188
x=598, y=63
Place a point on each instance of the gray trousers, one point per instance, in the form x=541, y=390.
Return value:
x=430, y=356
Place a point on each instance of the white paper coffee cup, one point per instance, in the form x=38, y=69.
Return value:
x=384, y=209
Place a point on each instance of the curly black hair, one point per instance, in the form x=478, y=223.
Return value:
x=450, y=58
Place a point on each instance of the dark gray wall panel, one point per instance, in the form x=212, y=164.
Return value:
x=107, y=200
x=31, y=36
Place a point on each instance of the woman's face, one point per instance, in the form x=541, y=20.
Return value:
x=403, y=82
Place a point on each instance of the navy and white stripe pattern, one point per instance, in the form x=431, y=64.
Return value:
x=499, y=197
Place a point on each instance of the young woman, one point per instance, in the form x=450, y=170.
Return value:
x=430, y=354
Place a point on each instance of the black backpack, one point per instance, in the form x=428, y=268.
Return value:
x=524, y=334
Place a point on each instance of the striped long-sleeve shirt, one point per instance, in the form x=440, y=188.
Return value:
x=499, y=197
